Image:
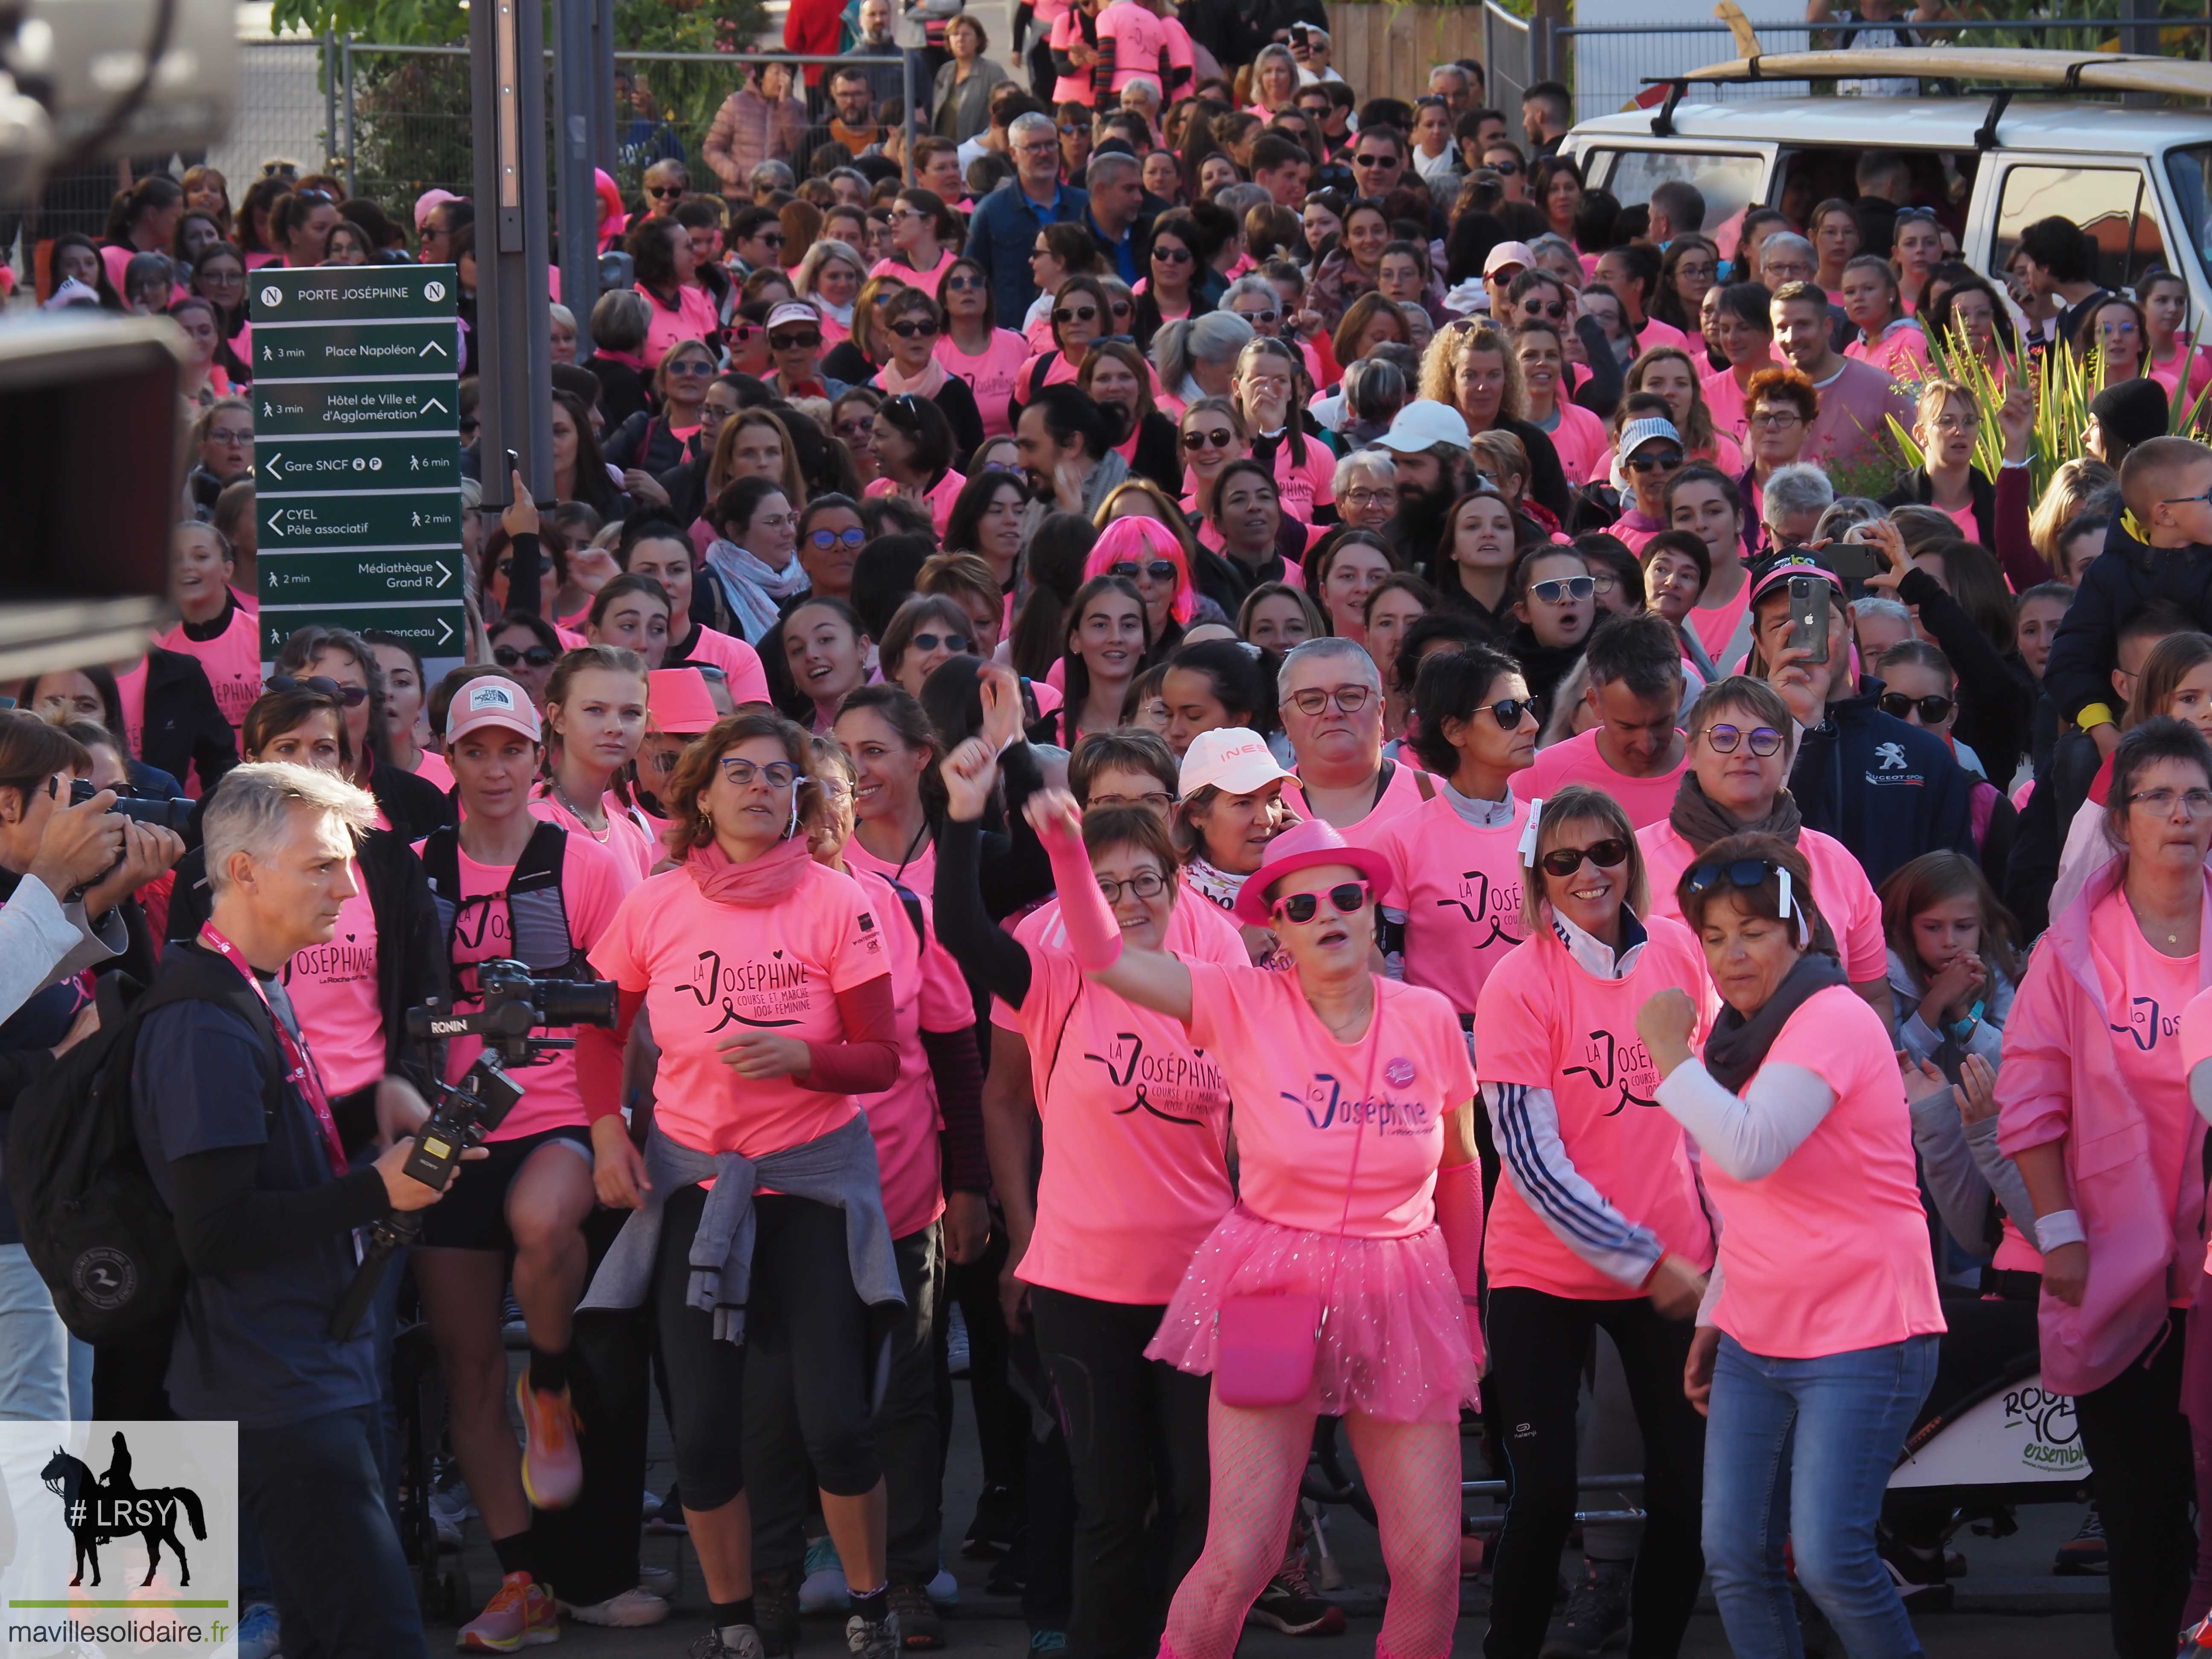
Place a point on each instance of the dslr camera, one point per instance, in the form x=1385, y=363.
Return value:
x=175, y=813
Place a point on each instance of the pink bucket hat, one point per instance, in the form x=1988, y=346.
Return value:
x=1302, y=847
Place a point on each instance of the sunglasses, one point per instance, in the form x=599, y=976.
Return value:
x=692, y=369
x=1075, y=314
x=1160, y=570
x=1764, y=741
x=536, y=656
x=1220, y=437
x=956, y=643
x=1607, y=854
x=352, y=695
x=1932, y=710
x=1504, y=169
x=1174, y=256
x=767, y=239
x=924, y=330
x=1556, y=310
x=1667, y=461
x=1346, y=898
x=1260, y=318
x=1560, y=590
x=1736, y=872
x=664, y=191
x=963, y=284
x=1508, y=712
x=1374, y=160
x=805, y=342
x=826, y=539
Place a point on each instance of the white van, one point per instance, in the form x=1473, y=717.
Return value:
x=2138, y=179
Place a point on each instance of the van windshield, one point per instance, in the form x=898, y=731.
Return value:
x=2189, y=171
x=1729, y=183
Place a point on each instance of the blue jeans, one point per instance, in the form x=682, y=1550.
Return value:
x=45, y=1374
x=1800, y=1450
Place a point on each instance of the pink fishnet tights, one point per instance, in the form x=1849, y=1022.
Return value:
x=1413, y=1472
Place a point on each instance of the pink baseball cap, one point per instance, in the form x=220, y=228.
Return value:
x=1301, y=848
x=492, y=701
x=1509, y=253
x=677, y=702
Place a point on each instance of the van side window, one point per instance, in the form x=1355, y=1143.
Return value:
x=2113, y=204
x=1729, y=183
x=2189, y=172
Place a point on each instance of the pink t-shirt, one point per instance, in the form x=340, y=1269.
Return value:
x=333, y=991
x=2146, y=993
x=1459, y=887
x=1400, y=796
x=694, y=318
x=1136, y=1131
x=2168, y=374
x=940, y=495
x=1578, y=760
x=1841, y=892
x=591, y=891
x=1829, y=1254
x=1964, y=518
x=1717, y=626
x=990, y=376
x=898, y=271
x=131, y=691
x=1297, y=1094
x=1074, y=89
x=634, y=848
x=1547, y=1023
x=1724, y=398
x=739, y=663
x=918, y=875
x=1901, y=353
x=1305, y=482
x=1133, y=38
x=232, y=660
x=1196, y=930
x=1855, y=403
x=1061, y=373
x=1584, y=445
x=930, y=995
x=430, y=767
x=1653, y=334
x=705, y=968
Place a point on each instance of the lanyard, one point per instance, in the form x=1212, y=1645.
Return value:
x=303, y=1072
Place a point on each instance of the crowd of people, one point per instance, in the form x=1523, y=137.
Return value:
x=1249, y=743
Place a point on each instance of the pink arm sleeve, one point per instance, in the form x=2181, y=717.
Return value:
x=866, y=1061
x=1459, y=1214
x=1093, y=933
x=599, y=1058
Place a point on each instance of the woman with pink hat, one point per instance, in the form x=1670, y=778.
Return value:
x=1339, y=1282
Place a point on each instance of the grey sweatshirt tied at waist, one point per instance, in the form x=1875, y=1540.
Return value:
x=838, y=1170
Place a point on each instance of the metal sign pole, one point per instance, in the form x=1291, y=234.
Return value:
x=575, y=69
x=514, y=344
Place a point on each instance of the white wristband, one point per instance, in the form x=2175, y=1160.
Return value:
x=2059, y=1227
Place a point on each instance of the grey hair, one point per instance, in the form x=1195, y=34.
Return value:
x=560, y=314
x=1250, y=288
x=1240, y=199
x=1786, y=239
x=1549, y=242
x=251, y=810
x=1801, y=488
x=824, y=250
x=1376, y=463
x=1108, y=163
x=1274, y=49
x=771, y=175
x=1876, y=604
x=1843, y=514
x=1148, y=85
x=1219, y=336
x=1329, y=648
x=1035, y=121
x=1374, y=389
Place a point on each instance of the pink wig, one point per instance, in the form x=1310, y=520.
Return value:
x=1137, y=540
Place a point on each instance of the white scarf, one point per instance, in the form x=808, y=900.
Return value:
x=753, y=589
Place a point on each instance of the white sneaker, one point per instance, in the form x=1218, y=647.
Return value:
x=944, y=1588
x=956, y=1342
x=633, y=1607
x=661, y=1581
x=824, y=1589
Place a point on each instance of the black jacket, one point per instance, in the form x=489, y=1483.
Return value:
x=1996, y=694
x=1548, y=479
x=1158, y=457
x=1886, y=789
x=622, y=391
x=2127, y=578
x=183, y=724
x=413, y=806
x=1915, y=488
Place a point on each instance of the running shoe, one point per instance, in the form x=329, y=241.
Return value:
x=665, y=1515
x=919, y=1628
x=824, y=1589
x=2197, y=1639
x=2084, y=1553
x=957, y=1358
x=552, y=1465
x=1597, y=1612
x=1289, y=1604
x=944, y=1588
x=661, y=1581
x=514, y=1332
x=873, y=1638
x=258, y=1635
x=1922, y=1576
x=519, y=1614
x=736, y=1642
x=1047, y=1641
x=997, y=1517
x=631, y=1609
x=776, y=1610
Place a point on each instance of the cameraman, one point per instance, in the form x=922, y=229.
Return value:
x=507, y=884
x=249, y=1162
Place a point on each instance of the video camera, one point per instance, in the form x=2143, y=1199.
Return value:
x=515, y=1006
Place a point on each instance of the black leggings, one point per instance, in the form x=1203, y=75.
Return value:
x=1537, y=1344
x=804, y=1310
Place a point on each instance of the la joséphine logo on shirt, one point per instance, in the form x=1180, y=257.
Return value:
x=1329, y=1103
x=1483, y=901
x=2146, y=1024
x=766, y=992
x=1610, y=1063
x=1174, y=1088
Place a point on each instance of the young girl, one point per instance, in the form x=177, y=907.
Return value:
x=631, y=613
x=1106, y=645
x=1473, y=567
x=2165, y=298
x=594, y=722
x=1888, y=338
x=1555, y=598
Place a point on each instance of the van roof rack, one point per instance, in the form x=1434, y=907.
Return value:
x=2022, y=69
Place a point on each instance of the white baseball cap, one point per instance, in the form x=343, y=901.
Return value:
x=1508, y=254
x=1420, y=427
x=492, y=701
x=1235, y=758
x=793, y=311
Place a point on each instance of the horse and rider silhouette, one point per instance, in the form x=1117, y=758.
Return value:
x=97, y=1512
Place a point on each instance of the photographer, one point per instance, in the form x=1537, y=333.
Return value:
x=48, y=849
x=236, y=1130
x=507, y=884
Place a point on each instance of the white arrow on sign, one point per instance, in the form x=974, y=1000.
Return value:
x=444, y=575
x=429, y=403
x=271, y=464
x=444, y=631
x=429, y=346
x=275, y=522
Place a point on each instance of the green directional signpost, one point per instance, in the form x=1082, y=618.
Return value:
x=357, y=460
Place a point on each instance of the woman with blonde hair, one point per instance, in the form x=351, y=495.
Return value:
x=1472, y=368
x=866, y=348
x=829, y=277
x=2072, y=488
x=755, y=443
x=1669, y=372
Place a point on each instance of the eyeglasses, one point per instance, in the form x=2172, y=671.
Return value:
x=925, y=329
x=2197, y=803
x=1563, y=589
x=230, y=434
x=1220, y=438
x=1158, y=800
x=1075, y=314
x=805, y=342
x=1932, y=710
x=1736, y=872
x=1346, y=898
x=1665, y=461
x=1508, y=712
x=1607, y=855
x=851, y=431
x=963, y=284
x=692, y=368
x=1160, y=570
x=1073, y=129
x=1145, y=883
x=535, y=657
x=352, y=695
x=1764, y=741
x=1774, y=420
x=1174, y=256
x=2205, y=500
x=1348, y=699
x=925, y=643
x=777, y=774
x=826, y=539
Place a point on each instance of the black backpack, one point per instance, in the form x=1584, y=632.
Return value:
x=93, y=1224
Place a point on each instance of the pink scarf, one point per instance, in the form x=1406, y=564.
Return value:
x=927, y=384
x=756, y=884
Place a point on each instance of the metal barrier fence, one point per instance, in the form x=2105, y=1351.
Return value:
x=1508, y=57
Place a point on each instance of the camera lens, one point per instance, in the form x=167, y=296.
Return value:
x=567, y=1003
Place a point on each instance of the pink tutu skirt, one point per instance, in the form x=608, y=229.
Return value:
x=1396, y=1345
